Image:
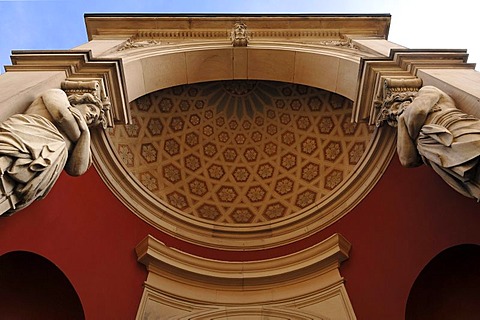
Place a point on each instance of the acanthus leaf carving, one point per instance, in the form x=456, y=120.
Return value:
x=133, y=43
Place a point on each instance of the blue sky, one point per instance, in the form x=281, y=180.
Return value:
x=59, y=24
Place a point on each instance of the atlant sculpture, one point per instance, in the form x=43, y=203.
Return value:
x=431, y=130
x=51, y=135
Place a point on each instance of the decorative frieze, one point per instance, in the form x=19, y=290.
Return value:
x=182, y=34
x=134, y=44
x=239, y=37
x=347, y=43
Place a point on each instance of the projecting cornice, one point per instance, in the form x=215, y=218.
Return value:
x=79, y=66
x=401, y=64
x=216, y=27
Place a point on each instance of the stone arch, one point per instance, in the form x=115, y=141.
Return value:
x=329, y=68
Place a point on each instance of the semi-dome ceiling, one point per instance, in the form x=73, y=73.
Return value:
x=242, y=164
x=230, y=154
x=241, y=151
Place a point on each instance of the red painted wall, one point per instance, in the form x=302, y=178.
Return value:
x=408, y=218
x=84, y=230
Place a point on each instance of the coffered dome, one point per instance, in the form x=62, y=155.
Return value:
x=237, y=152
x=243, y=156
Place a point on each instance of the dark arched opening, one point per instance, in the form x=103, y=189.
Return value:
x=32, y=287
x=448, y=287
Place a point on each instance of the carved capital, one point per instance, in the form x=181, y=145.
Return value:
x=96, y=88
x=394, y=91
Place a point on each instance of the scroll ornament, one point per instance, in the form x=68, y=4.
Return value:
x=51, y=135
x=433, y=131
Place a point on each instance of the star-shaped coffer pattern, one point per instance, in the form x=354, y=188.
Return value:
x=241, y=152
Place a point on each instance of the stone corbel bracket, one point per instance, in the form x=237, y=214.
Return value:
x=307, y=282
x=401, y=64
x=80, y=66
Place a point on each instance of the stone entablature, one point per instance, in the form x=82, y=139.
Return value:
x=402, y=64
x=180, y=28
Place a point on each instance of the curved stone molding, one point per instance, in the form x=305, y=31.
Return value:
x=152, y=68
x=303, y=285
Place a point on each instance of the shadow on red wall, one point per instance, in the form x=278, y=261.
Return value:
x=448, y=287
x=32, y=287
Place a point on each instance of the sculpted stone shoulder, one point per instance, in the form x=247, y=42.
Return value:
x=431, y=130
x=36, y=146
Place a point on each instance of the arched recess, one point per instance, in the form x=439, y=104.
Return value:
x=328, y=67
x=32, y=287
x=448, y=286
